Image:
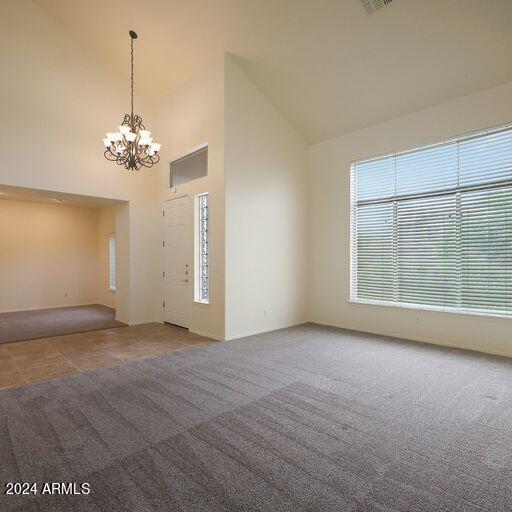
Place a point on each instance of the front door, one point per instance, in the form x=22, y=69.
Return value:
x=177, y=277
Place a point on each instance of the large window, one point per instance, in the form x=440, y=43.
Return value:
x=432, y=228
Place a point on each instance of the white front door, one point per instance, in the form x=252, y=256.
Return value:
x=177, y=266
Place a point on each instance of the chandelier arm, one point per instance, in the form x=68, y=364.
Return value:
x=109, y=156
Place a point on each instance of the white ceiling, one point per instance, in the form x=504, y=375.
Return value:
x=327, y=65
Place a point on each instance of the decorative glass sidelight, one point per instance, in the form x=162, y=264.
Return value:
x=203, y=290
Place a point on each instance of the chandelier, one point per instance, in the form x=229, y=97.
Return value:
x=131, y=146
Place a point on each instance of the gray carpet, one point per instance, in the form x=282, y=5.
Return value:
x=303, y=419
x=43, y=323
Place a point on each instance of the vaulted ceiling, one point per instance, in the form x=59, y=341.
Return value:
x=327, y=65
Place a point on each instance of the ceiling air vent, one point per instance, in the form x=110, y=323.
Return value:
x=373, y=5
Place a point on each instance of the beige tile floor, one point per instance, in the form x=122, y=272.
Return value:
x=24, y=362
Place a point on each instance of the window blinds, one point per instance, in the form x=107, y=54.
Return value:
x=112, y=260
x=432, y=227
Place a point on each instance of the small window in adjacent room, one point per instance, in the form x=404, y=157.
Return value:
x=190, y=167
x=112, y=260
x=202, y=250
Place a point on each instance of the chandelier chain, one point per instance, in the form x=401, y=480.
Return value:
x=132, y=75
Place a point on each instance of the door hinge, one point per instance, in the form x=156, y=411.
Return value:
x=163, y=274
x=163, y=305
x=163, y=243
x=163, y=213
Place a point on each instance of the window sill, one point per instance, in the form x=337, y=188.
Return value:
x=202, y=302
x=438, y=309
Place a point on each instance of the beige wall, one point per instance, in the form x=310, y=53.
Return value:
x=193, y=116
x=58, y=100
x=48, y=255
x=106, y=226
x=266, y=212
x=329, y=244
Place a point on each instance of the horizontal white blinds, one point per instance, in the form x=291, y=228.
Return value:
x=375, y=260
x=433, y=227
x=486, y=249
x=112, y=261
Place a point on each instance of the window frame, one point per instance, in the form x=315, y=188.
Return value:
x=352, y=295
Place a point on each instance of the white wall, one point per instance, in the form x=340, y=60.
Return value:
x=48, y=255
x=58, y=101
x=266, y=212
x=193, y=116
x=257, y=179
x=329, y=163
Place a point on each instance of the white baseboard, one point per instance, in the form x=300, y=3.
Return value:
x=192, y=331
x=262, y=331
x=421, y=339
x=54, y=307
x=106, y=305
x=140, y=322
x=207, y=335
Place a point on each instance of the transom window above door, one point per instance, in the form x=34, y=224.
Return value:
x=432, y=227
x=189, y=167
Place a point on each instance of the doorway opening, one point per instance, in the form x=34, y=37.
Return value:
x=57, y=263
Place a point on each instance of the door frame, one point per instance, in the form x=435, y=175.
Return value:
x=190, y=242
